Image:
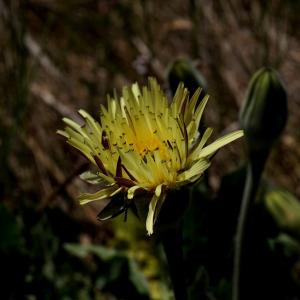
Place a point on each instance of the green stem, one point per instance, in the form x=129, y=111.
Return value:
x=172, y=243
x=254, y=171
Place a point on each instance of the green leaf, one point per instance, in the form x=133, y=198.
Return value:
x=119, y=270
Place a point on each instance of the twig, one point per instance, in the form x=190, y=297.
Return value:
x=49, y=99
x=36, y=51
x=63, y=186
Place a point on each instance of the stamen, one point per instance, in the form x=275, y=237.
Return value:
x=169, y=144
x=105, y=140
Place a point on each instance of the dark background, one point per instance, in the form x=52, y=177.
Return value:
x=59, y=56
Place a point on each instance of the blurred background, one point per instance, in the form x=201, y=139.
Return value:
x=59, y=56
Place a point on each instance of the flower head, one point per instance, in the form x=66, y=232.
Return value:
x=143, y=144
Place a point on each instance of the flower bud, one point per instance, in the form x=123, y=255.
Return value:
x=182, y=70
x=285, y=209
x=264, y=113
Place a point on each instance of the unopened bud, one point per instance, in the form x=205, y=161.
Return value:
x=264, y=113
x=182, y=70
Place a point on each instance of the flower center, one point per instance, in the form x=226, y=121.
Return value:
x=149, y=143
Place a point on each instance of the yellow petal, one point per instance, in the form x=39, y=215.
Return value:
x=158, y=196
x=91, y=122
x=195, y=153
x=100, y=195
x=195, y=171
x=131, y=191
x=213, y=147
x=82, y=148
x=189, y=112
x=194, y=124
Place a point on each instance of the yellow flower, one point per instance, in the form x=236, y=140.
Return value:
x=143, y=144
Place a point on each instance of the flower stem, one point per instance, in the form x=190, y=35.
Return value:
x=254, y=170
x=172, y=243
